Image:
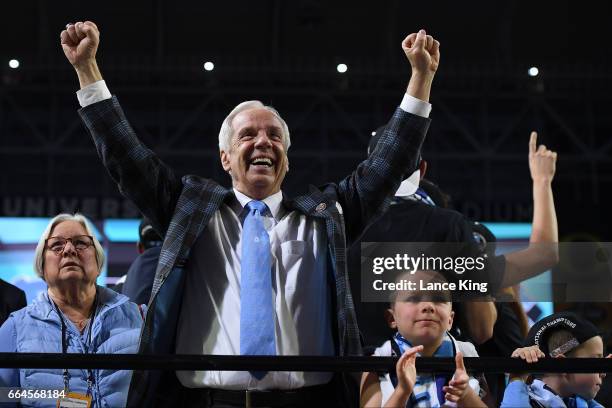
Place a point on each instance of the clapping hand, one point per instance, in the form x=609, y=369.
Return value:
x=458, y=386
x=406, y=369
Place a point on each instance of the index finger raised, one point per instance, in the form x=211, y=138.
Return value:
x=533, y=141
x=459, y=364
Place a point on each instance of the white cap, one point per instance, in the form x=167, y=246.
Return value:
x=410, y=185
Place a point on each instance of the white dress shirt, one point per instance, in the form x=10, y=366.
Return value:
x=209, y=322
x=210, y=317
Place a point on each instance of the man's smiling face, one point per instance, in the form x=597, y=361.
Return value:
x=257, y=158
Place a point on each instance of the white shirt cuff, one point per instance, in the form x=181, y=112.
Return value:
x=415, y=106
x=92, y=93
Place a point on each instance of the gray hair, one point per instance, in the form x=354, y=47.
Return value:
x=225, y=134
x=39, y=257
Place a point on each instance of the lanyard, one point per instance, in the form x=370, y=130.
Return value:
x=66, y=374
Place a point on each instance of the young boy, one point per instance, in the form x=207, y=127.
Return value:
x=422, y=320
x=558, y=335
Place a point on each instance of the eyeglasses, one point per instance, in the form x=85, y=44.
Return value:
x=79, y=242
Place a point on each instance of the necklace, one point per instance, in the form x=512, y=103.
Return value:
x=81, y=324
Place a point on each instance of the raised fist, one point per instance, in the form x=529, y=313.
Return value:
x=80, y=43
x=542, y=162
x=423, y=52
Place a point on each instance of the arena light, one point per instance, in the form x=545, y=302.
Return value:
x=14, y=63
x=121, y=230
x=342, y=68
x=533, y=71
x=509, y=230
x=209, y=66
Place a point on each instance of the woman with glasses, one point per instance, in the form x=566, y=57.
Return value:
x=74, y=315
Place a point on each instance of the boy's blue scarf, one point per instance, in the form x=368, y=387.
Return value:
x=546, y=397
x=579, y=402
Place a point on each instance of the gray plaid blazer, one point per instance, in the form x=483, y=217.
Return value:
x=180, y=209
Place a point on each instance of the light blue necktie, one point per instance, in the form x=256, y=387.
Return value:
x=256, y=307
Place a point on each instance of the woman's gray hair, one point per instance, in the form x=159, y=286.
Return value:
x=39, y=255
x=225, y=134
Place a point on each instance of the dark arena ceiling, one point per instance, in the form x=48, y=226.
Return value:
x=285, y=53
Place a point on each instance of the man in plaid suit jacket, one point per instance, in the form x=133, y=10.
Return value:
x=181, y=208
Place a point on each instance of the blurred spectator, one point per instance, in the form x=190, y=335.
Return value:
x=414, y=216
x=139, y=280
x=510, y=326
x=11, y=298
